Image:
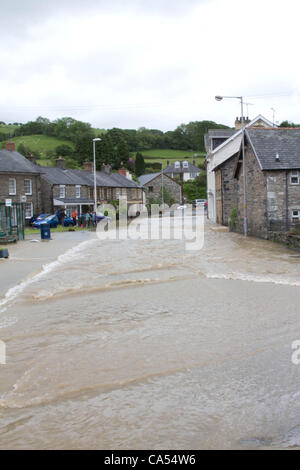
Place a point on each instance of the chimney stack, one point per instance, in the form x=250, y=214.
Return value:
x=123, y=171
x=61, y=163
x=88, y=166
x=106, y=168
x=238, y=122
x=10, y=146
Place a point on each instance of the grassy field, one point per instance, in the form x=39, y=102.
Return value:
x=163, y=155
x=40, y=143
x=6, y=129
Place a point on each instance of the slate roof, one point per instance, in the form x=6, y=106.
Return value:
x=14, y=162
x=144, y=179
x=190, y=169
x=85, y=178
x=266, y=143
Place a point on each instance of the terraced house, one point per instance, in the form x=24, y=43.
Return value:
x=74, y=189
x=20, y=181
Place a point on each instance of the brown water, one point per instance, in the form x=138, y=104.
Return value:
x=140, y=344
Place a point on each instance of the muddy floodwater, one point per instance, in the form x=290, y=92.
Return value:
x=139, y=344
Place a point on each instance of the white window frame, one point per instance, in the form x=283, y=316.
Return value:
x=14, y=191
x=78, y=191
x=294, y=216
x=117, y=193
x=177, y=165
x=62, y=191
x=30, y=187
x=185, y=164
x=295, y=174
x=31, y=210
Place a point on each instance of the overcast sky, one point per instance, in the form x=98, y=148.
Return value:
x=155, y=63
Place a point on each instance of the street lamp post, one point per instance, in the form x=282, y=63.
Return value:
x=95, y=176
x=162, y=185
x=219, y=98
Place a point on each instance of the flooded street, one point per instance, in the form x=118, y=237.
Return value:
x=139, y=344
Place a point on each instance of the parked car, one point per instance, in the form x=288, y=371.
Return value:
x=200, y=202
x=52, y=220
x=37, y=218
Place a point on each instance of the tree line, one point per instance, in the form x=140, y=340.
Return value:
x=116, y=144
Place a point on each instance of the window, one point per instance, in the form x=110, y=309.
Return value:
x=295, y=177
x=295, y=214
x=150, y=189
x=177, y=164
x=185, y=164
x=77, y=191
x=117, y=193
x=28, y=187
x=28, y=210
x=62, y=191
x=12, y=186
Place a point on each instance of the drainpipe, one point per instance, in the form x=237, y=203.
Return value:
x=287, y=200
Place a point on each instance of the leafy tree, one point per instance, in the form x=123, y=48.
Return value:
x=288, y=124
x=165, y=196
x=195, y=189
x=139, y=164
x=22, y=149
x=122, y=154
x=105, y=152
x=64, y=150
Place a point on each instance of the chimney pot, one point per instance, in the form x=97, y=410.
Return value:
x=123, y=171
x=61, y=163
x=88, y=166
x=10, y=146
x=106, y=168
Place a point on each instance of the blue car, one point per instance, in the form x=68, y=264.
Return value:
x=37, y=218
x=52, y=220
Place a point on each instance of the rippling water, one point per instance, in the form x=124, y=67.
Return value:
x=140, y=344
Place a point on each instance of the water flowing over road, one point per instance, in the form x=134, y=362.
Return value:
x=137, y=344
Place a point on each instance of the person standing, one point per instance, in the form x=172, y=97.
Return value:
x=87, y=219
x=74, y=217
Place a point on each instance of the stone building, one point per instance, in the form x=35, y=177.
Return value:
x=272, y=162
x=20, y=180
x=74, y=189
x=152, y=184
x=220, y=145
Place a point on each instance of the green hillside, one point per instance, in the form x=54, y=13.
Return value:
x=41, y=144
x=164, y=155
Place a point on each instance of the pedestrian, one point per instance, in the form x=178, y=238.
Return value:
x=61, y=217
x=74, y=217
x=87, y=219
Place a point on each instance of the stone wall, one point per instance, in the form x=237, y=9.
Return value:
x=35, y=198
x=70, y=191
x=256, y=197
x=153, y=188
x=229, y=190
x=233, y=194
